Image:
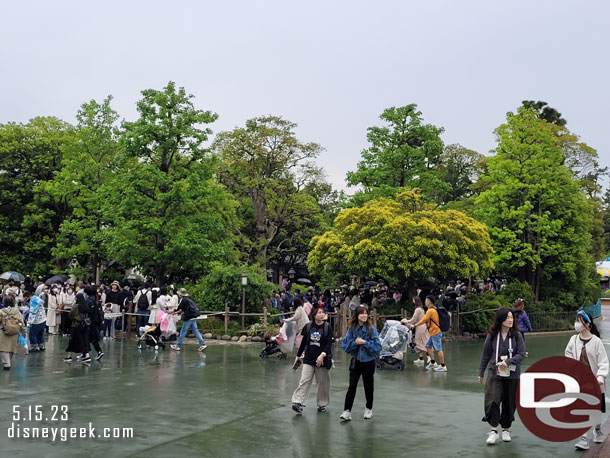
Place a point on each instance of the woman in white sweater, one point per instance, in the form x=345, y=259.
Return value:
x=588, y=348
x=421, y=331
x=301, y=318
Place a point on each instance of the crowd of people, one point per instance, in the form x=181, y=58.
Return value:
x=88, y=313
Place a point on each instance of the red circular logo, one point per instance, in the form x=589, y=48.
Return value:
x=559, y=399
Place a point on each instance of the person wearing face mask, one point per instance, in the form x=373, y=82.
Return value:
x=588, y=348
x=503, y=352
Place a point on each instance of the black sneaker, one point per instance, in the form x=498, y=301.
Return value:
x=7, y=368
x=68, y=360
x=298, y=408
x=99, y=356
x=86, y=360
x=42, y=349
x=321, y=408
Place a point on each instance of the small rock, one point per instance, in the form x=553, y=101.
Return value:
x=218, y=337
x=243, y=338
x=207, y=335
x=234, y=339
x=466, y=334
x=256, y=339
x=226, y=337
x=249, y=338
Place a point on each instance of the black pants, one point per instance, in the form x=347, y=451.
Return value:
x=367, y=370
x=500, y=392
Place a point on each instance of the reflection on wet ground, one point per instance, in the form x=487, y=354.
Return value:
x=228, y=403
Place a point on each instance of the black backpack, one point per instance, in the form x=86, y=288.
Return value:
x=96, y=314
x=191, y=310
x=143, y=300
x=444, y=319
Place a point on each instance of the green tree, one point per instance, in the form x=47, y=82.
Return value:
x=400, y=240
x=270, y=172
x=403, y=153
x=539, y=218
x=30, y=154
x=89, y=160
x=459, y=168
x=167, y=214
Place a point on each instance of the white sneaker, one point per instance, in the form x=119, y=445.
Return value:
x=582, y=444
x=368, y=414
x=598, y=437
x=506, y=435
x=432, y=366
x=174, y=347
x=492, y=437
x=428, y=359
x=418, y=362
x=202, y=347
x=440, y=368
x=346, y=415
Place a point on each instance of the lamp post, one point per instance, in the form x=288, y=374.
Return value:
x=244, y=282
x=291, y=273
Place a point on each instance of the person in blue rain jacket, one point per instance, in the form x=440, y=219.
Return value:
x=363, y=344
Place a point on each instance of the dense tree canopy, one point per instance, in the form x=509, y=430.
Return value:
x=167, y=214
x=403, y=153
x=402, y=240
x=539, y=219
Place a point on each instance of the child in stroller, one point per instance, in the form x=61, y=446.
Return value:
x=150, y=336
x=272, y=347
x=283, y=341
x=394, y=340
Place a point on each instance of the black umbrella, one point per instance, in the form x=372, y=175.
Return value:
x=134, y=278
x=371, y=283
x=303, y=281
x=15, y=276
x=57, y=279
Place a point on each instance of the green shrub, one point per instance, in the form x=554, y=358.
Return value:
x=479, y=322
x=223, y=285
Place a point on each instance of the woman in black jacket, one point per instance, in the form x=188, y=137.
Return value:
x=79, y=330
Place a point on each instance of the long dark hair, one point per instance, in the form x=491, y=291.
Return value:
x=583, y=320
x=501, y=315
x=83, y=308
x=358, y=311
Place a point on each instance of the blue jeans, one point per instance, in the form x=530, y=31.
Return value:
x=37, y=335
x=190, y=324
x=141, y=319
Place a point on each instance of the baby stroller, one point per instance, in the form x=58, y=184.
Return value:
x=394, y=340
x=271, y=348
x=276, y=344
x=151, y=337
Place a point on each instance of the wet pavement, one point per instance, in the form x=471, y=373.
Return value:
x=228, y=403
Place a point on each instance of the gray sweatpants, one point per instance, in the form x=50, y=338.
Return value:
x=6, y=358
x=322, y=380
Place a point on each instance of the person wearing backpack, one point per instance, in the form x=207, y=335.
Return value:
x=11, y=325
x=190, y=312
x=143, y=300
x=315, y=352
x=435, y=341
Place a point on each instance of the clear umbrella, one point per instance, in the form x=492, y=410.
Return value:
x=15, y=276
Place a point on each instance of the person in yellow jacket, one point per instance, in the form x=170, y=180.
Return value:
x=435, y=342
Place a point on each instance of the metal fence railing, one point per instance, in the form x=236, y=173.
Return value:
x=555, y=321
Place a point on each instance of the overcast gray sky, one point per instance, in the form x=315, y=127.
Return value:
x=330, y=66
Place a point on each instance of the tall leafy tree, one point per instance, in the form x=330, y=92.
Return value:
x=459, y=168
x=89, y=161
x=401, y=240
x=538, y=216
x=270, y=171
x=30, y=154
x=403, y=153
x=167, y=214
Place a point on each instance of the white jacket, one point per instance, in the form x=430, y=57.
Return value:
x=596, y=353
